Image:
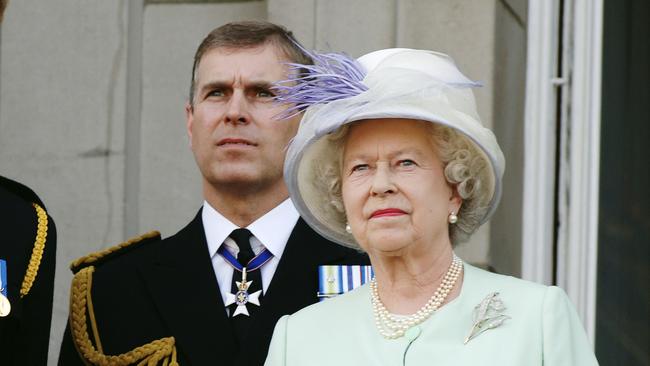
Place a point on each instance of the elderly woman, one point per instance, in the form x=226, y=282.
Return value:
x=391, y=158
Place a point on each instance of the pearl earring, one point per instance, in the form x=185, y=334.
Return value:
x=452, y=218
x=348, y=228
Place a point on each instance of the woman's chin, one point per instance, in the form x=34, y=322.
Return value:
x=389, y=242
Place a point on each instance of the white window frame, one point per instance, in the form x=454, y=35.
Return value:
x=540, y=141
x=577, y=257
x=579, y=160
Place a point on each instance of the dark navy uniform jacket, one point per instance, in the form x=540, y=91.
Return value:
x=167, y=288
x=25, y=332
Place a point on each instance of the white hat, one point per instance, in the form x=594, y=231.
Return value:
x=389, y=83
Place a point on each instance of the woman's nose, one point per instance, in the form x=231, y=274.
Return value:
x=382, y=181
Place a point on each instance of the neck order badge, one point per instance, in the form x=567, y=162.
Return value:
x=5, y=305
x=242, y=297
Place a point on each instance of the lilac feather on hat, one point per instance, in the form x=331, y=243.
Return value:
x=333, y=76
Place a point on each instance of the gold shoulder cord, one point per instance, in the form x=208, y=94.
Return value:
x=81, y=308
x=93, y=258
x=37, y=252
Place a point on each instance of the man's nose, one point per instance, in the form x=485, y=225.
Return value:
x=237, y=111
x=382, y=181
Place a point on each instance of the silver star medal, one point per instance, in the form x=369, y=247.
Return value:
x=242, y=297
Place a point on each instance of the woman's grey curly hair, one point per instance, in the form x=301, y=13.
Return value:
x=465, y=168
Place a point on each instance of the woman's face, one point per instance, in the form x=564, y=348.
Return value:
x=394, y=191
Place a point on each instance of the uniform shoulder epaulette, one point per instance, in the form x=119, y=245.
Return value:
x=82, y=315
x=27, y=195
x=20, y=190
x=102, y=256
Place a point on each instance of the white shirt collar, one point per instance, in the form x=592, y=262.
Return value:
x=272, y=230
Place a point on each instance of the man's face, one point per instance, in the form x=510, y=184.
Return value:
x=236, y=140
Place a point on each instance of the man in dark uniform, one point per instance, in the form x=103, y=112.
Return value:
x=27, y=260
x=212, y=293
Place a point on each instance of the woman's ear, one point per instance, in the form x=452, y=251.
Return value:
x=455, y=200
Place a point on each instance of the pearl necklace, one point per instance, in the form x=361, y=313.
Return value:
x=394, y=326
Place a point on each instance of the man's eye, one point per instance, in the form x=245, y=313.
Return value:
x=216, y=93
x=263, y=93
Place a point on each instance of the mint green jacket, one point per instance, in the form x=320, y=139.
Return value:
x=542, y=329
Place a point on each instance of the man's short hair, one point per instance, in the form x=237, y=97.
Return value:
x=3, y=5
x=249, y=34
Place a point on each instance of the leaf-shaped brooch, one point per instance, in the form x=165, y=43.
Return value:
x=487, y=315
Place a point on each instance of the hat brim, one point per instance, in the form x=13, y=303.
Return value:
x=305, y=154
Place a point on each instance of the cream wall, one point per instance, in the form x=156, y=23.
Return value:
x=109, y=154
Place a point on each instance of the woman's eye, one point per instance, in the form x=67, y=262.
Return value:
x=359, y=167
x=406, y=162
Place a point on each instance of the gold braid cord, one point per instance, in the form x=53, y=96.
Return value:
x=37, y=252
x=95, y=257
x=161, y=351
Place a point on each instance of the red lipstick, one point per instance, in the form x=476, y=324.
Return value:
x=387, y=212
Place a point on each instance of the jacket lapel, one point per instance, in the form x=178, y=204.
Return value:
x=185, y=291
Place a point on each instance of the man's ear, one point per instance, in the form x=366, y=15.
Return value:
x=189, y=120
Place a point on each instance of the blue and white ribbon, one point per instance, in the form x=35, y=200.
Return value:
x=335, y=280
x=255, y=263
